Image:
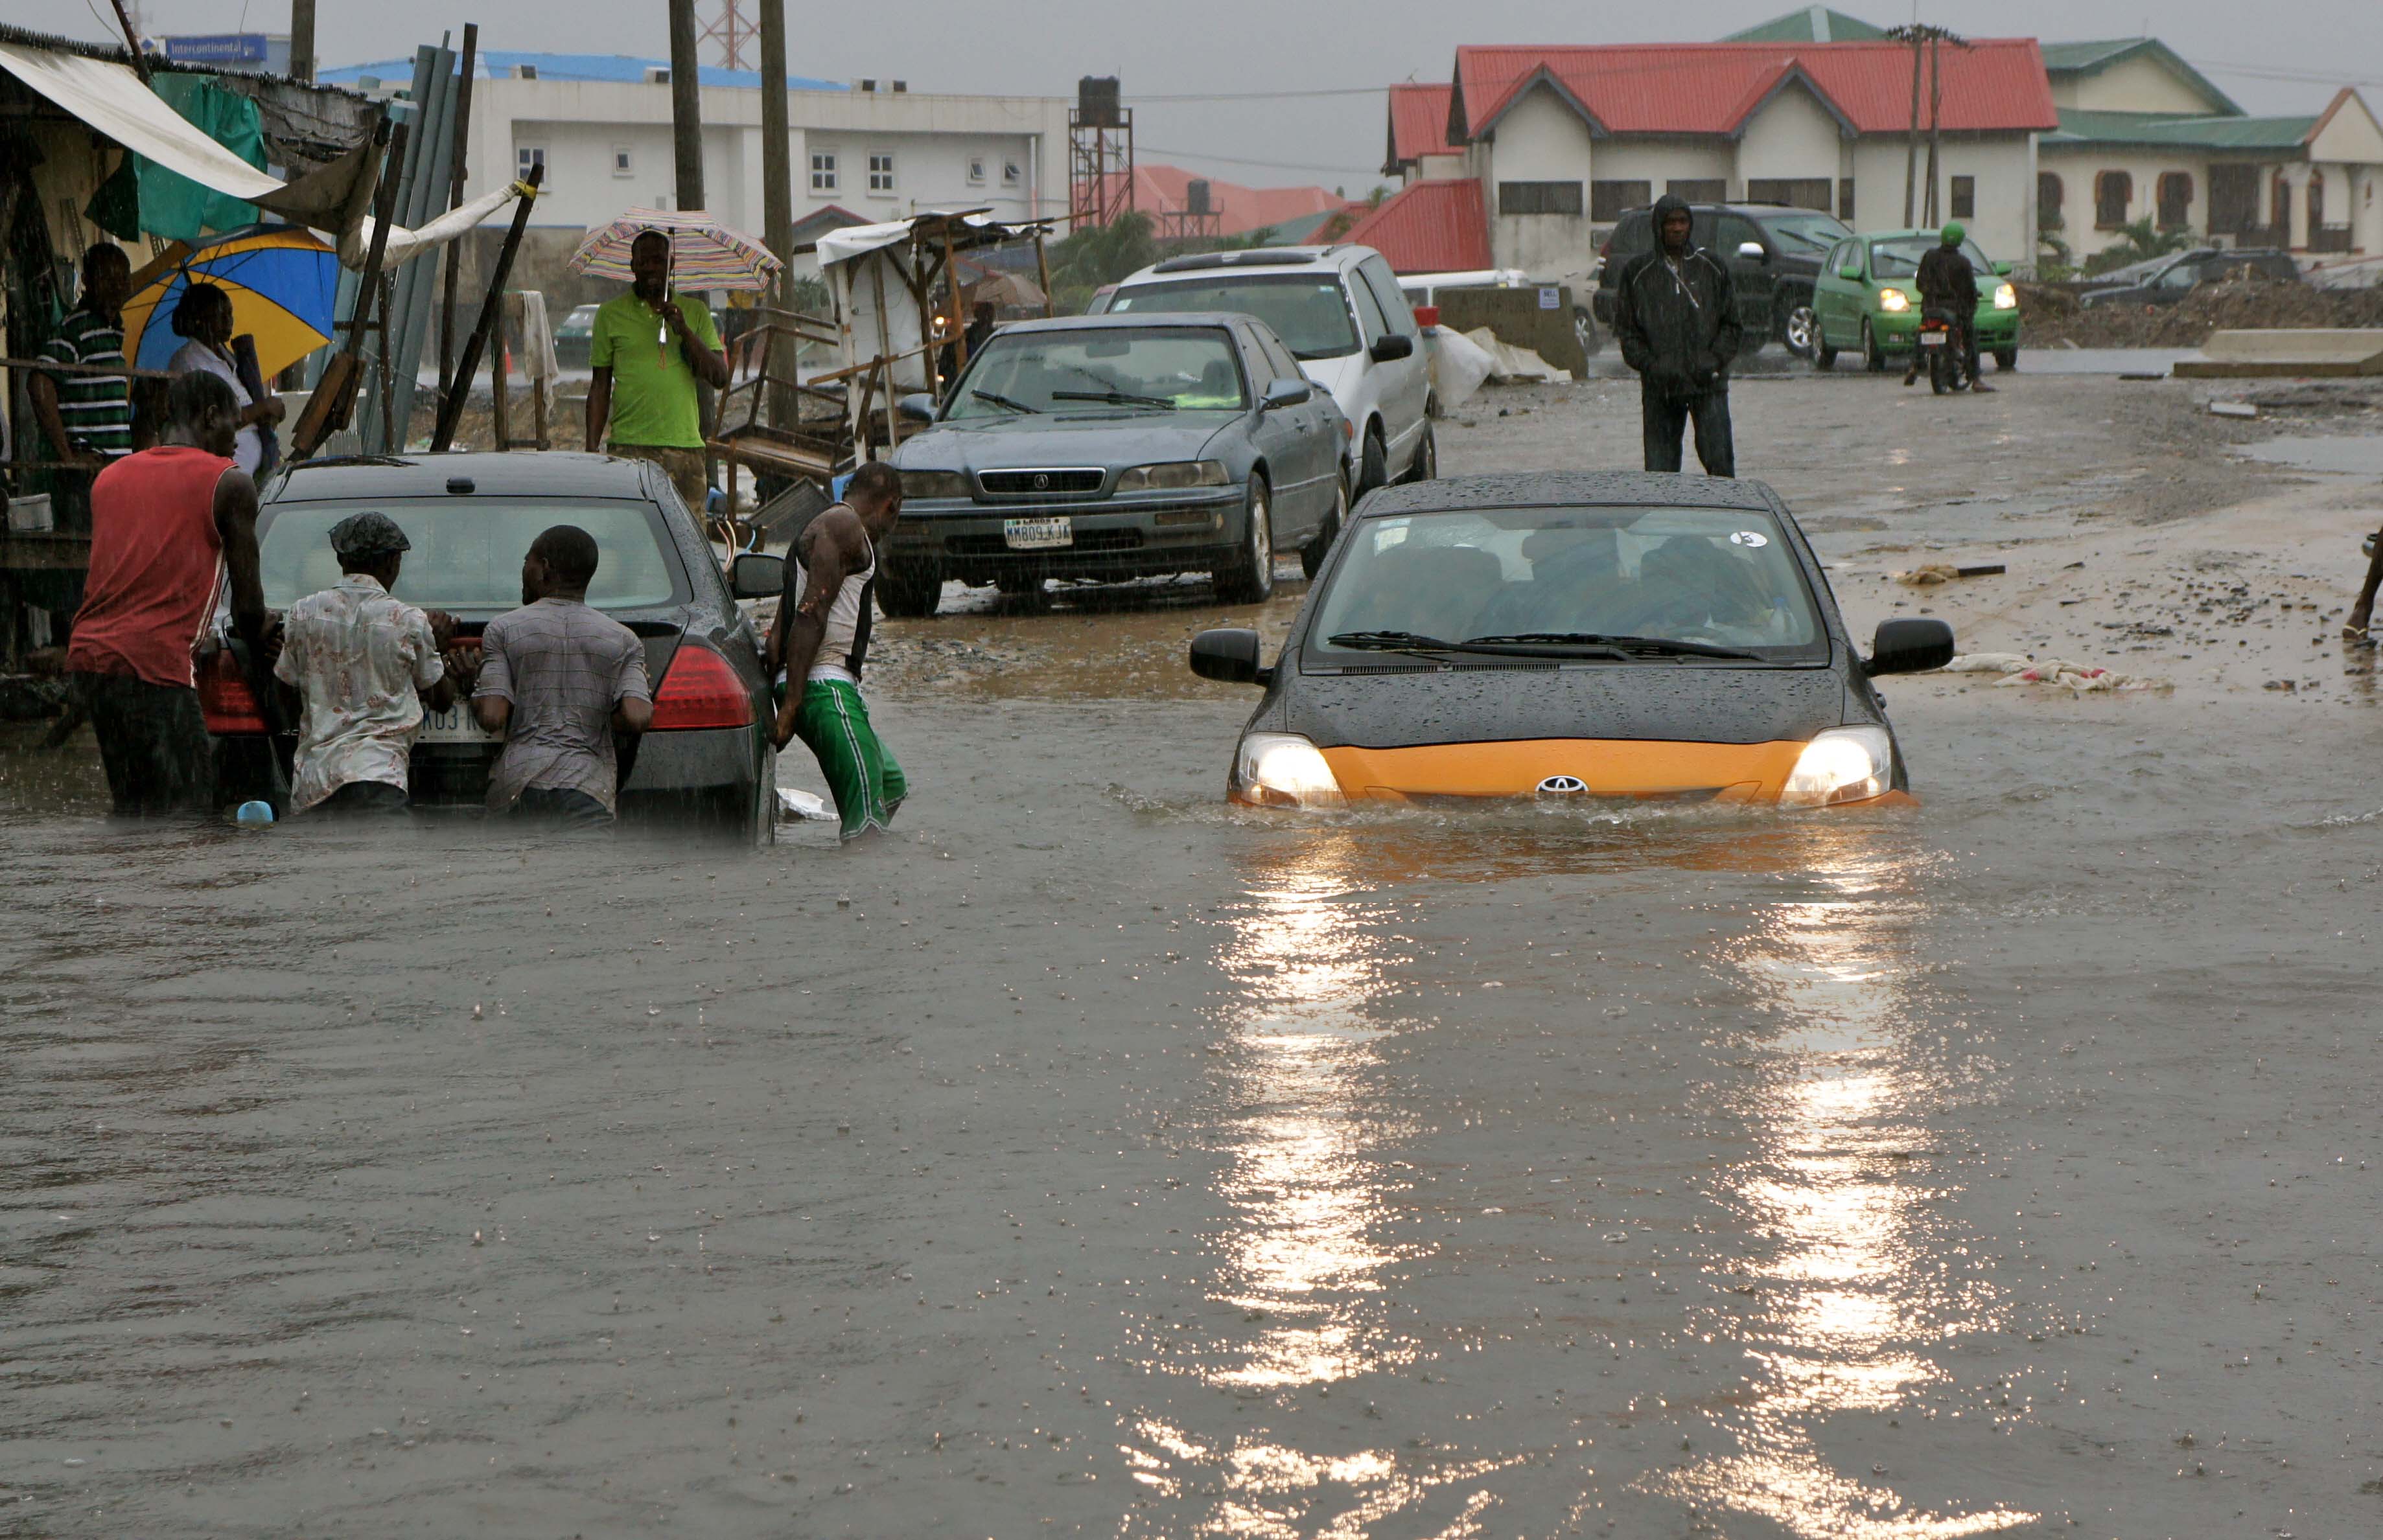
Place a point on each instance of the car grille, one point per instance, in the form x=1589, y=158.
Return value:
x=1080, y=482
x=1086, y=540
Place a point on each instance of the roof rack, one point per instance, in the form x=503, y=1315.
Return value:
x=1262, y=256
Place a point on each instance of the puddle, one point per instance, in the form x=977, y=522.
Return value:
x=2345, y=456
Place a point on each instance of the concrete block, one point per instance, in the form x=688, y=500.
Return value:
x=2286, y=351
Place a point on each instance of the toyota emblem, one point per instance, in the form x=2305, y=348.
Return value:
x=1042, y=483
x=1562, y=785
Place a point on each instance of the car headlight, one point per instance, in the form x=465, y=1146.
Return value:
x=1894, y=299
x=1845, y=764
x=1174, y=476
x=2006, y=297
x=936, y=484
x=1283, y=770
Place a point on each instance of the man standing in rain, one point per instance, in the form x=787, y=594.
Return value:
x=1675, y=315
x=648, y=347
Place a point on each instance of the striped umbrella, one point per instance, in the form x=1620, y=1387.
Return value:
x=284, y=284
x=705, y=253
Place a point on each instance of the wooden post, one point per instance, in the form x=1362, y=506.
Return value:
x=959, y=326
x=1935, y=103
x=686, y=106
x=500, y=427
x=885, y=339
x=454, y=252
x=1042, y=271
x=302, y=41
x=451, y=410
x=777, y=206
x=132, y=43
x=1911, y=140
x=392, y=432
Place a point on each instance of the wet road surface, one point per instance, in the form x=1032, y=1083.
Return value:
x=1090, y=1159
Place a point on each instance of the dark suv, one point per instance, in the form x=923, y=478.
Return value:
x=2166, y=281
x=1773, y=254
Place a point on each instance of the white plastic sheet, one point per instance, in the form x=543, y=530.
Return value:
x=110, y=98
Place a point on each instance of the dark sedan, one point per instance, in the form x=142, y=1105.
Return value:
x=1570, y=635
x=470, y=517
x=1118, y=446
x=2166, y=281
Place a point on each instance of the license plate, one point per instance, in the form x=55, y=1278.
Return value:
x=1038, y=533
x=455, y=725
x=1931, y=338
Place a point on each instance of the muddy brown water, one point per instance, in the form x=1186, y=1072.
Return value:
x=1091, y=1159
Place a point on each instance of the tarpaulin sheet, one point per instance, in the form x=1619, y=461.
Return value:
x=173, y=207
x=110, y=98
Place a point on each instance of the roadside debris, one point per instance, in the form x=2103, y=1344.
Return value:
x=2077, y=678
x=2233, y=409
x=1934, y=573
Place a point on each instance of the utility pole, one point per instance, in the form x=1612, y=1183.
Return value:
x=687, y=105
x=777, y=180
x=301, y=40
x=1924, y=40
x=1935, y=119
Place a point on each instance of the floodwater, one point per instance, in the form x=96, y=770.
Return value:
x=1091, y=1160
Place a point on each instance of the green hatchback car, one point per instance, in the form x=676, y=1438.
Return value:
x=1867, y=298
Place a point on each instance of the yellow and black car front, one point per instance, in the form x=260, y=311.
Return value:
x=1571, y=635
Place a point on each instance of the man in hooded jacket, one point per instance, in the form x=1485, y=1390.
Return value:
x=1675, y=315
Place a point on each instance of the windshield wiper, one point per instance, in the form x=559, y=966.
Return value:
x=1618, y=644
x=1408, y=641
x=1113, y=398
x=1004, y=401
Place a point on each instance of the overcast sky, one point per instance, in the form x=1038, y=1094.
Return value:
x=1220, y=48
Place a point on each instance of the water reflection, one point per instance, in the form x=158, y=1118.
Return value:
x=1864, y=1278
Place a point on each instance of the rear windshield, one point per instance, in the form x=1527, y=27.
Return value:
x=1899, y=257
x=467, y=551
x=1721, y=577
x=1306, y=310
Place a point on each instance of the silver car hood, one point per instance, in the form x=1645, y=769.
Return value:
x=1112, y=442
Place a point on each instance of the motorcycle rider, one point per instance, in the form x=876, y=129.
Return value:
x=1675, y=315
x=1949, y=286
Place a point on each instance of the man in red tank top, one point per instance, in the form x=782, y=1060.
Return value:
x=169, y=525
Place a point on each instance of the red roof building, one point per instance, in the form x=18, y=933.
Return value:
x=1431, y=226
x=1560, y=142
x=1167, y=194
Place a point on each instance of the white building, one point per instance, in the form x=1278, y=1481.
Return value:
x=871, y=150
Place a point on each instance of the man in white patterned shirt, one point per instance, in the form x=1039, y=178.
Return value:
x=365, y=665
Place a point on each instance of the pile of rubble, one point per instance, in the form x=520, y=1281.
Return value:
x=2051, y=316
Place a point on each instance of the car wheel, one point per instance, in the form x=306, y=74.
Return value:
x=1374, y=470
x=2005, y=360
x=1251, y=577
x=1874, y=357
x=1312, y=555
x=1800, y=329
x=1427, y=458
x=1584, y=326
x=908, y=593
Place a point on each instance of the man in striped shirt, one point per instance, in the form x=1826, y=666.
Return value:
x=87, y=417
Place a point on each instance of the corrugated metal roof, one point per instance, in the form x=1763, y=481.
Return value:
x=1434, y=226
x=1161, y=189
x=1810, y=24
x=1418, y=123
x=619, y=69
x=2169, y=130
x=2091, y=58
x=1996, y=85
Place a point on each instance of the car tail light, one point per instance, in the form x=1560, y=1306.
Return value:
x=225, y=697
x=700, y=690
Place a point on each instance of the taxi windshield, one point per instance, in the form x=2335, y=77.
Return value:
x=1899, y=257
x=1078, y=369
x=1633, y=581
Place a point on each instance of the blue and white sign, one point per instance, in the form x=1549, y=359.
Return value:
x=217, y=48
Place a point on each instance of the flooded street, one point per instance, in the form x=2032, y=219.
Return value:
x=1089, y=1158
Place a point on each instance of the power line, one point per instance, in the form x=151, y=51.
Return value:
x=1140, y=100
x=1266, y=165
x=2266, y=72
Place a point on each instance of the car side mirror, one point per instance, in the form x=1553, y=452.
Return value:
x=1391, y=347
x=1853, y=273
x=1910, y=647
x=756, y=577
x=1752, y=250
x=1229, y=655
x=2003, y=268
x=1286, y=392
x=918, y=406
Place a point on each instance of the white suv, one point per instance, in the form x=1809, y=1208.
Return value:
x=1340, y=310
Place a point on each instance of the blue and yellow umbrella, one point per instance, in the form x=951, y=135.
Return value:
x=284, y=285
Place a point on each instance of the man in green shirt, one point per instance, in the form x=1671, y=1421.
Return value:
x=649, y=347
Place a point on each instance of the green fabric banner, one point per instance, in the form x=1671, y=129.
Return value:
x=173, y=208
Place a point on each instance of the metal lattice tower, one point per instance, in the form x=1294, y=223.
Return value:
x=734, y=32
x=1100, y=154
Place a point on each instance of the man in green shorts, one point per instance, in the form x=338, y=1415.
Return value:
x=648, y=347
x=821, y=642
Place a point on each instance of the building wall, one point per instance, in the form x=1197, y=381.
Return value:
x=1659, y=162
x=2003, y=166
x=1792, y=136
x=2138, y=85
x=1540, y=139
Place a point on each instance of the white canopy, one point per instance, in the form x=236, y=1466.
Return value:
x=111, y=98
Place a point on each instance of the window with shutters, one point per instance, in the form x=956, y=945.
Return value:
x=1539, y=197
x=1810, y=193
x=1963, y=197
x=1846, y=199
x=1698, y=189
x=2048, y=196
x=2233, y=200
x=2113, y=191
x=1612, y=200
x=2175, y=200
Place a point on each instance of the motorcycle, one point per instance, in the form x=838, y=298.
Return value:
x=1939, y=343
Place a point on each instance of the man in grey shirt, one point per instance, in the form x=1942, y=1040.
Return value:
x=557, y=679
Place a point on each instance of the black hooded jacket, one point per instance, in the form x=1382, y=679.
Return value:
x=1678, y=326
